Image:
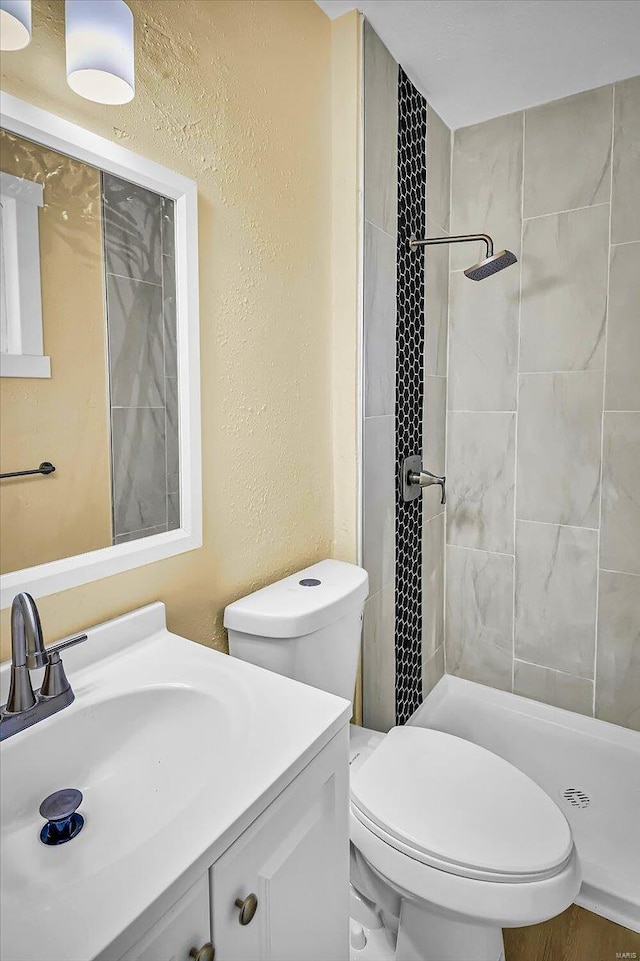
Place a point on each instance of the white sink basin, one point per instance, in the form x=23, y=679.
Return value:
x=176, y=748
x=121, y=754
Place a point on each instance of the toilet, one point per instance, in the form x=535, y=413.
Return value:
x=450, y=843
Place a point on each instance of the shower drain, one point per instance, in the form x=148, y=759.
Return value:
x=576, y=797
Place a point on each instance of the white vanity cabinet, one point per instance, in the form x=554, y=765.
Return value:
x=185, y=925
x=294, y=858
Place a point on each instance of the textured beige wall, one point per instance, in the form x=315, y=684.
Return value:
x=345, y=247
x=64, y=419
x=236, y=95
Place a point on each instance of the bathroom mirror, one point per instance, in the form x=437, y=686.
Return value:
x=99, y=357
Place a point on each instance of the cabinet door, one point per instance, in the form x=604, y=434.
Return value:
x=185, y=925
x=295, y=859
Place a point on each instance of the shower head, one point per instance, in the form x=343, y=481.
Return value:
x=491, y=265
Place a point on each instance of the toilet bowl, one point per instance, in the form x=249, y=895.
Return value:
x=450, y=843
x=465, y=842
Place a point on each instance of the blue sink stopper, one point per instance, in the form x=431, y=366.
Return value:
x=63, y=821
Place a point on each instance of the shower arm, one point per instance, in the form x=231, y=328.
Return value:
x=414, y=243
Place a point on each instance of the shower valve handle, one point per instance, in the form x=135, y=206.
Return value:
x=424, y=478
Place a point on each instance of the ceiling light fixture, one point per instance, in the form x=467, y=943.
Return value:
x=100, y=55
x=15, y=24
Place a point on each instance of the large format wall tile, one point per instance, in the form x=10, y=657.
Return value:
x=132, y=219
x=622, y=391
x=438, y=172
x=170, y=318
x=487, y=187
x=139, y=469
x=564, y=290
x=136, y=343
x=436, y=283
x=436, y=295
x=432, y=670
x=480, y=481
x=378, y=661
x=379, y=321
x=432, y=586
x=173, y=510
x=479, y=621
x=567, y=153
x=625, y=212
x=559, y=434
x=168, y=228
x=620, y=526
x=136, y=535
x=434, y=424
x=553, y=687
x=556, y=576
x=380, y=132
x=618, y=669
x=379, y=500
x=483, y=343
x=172, y=427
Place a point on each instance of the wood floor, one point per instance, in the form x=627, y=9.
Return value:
x=575, y=935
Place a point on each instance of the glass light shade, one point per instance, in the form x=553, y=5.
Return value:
x=100, y=60
x=15, y=24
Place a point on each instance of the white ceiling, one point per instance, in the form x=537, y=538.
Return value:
x=477, y=59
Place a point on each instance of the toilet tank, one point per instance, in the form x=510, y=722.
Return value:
x=307, y=626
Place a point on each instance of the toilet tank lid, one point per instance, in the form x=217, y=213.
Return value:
x=299, y=605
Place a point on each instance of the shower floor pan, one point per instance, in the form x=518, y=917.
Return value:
x=589, y=767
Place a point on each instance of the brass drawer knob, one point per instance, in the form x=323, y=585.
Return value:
x=247, y=907
x=206, y=953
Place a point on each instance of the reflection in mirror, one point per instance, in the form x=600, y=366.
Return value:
x=89, y=359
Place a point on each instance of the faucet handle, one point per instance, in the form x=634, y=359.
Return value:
x=63, y=645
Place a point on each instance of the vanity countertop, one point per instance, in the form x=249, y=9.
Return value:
x=177, y=749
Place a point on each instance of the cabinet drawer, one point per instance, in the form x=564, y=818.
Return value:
x=185, y=925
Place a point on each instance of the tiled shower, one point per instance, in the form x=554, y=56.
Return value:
x=543, y=443
x=531, y=382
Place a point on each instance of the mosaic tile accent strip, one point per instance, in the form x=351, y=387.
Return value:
x=412, y=177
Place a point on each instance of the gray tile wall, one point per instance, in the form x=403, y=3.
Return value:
x=543, y=437
x=141, y=326
x=434, y=418
x=379, y=441
x=380, y=241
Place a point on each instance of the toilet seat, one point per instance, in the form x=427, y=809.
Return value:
x=489, y=902
x=452, y=805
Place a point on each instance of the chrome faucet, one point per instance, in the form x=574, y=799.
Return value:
x=25, y=706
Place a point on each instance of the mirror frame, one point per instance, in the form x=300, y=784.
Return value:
x=31, y=122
